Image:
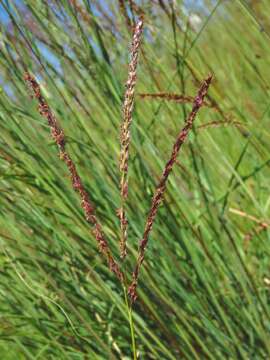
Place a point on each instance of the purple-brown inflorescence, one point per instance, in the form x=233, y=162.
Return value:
x=182, y=99
x=161, y=187
x=125, y=132
x=59, y=138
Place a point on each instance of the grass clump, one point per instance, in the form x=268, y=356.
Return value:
x=205, y=281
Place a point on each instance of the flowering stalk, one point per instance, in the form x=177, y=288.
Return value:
x=182, y=99
x=161, y=187
x=59, y=138
x=125, y=132
x=219, y=123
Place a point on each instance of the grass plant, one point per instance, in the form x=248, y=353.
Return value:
x=204, y=284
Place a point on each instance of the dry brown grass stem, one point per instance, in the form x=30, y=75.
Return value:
x=161, y=187
x=125, y=132
x=248, y=216
x=262, y=225
x=59, y=138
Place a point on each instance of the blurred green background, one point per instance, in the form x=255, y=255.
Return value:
x=204, y=287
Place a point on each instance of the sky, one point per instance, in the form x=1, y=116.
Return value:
x=196, y=5
x=190, y=5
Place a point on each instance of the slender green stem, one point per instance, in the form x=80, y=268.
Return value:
x=131, y=325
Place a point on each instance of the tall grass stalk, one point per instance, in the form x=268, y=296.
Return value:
x=125, y=132
x=59, y=138
x=161, y=187
x=131, y=324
